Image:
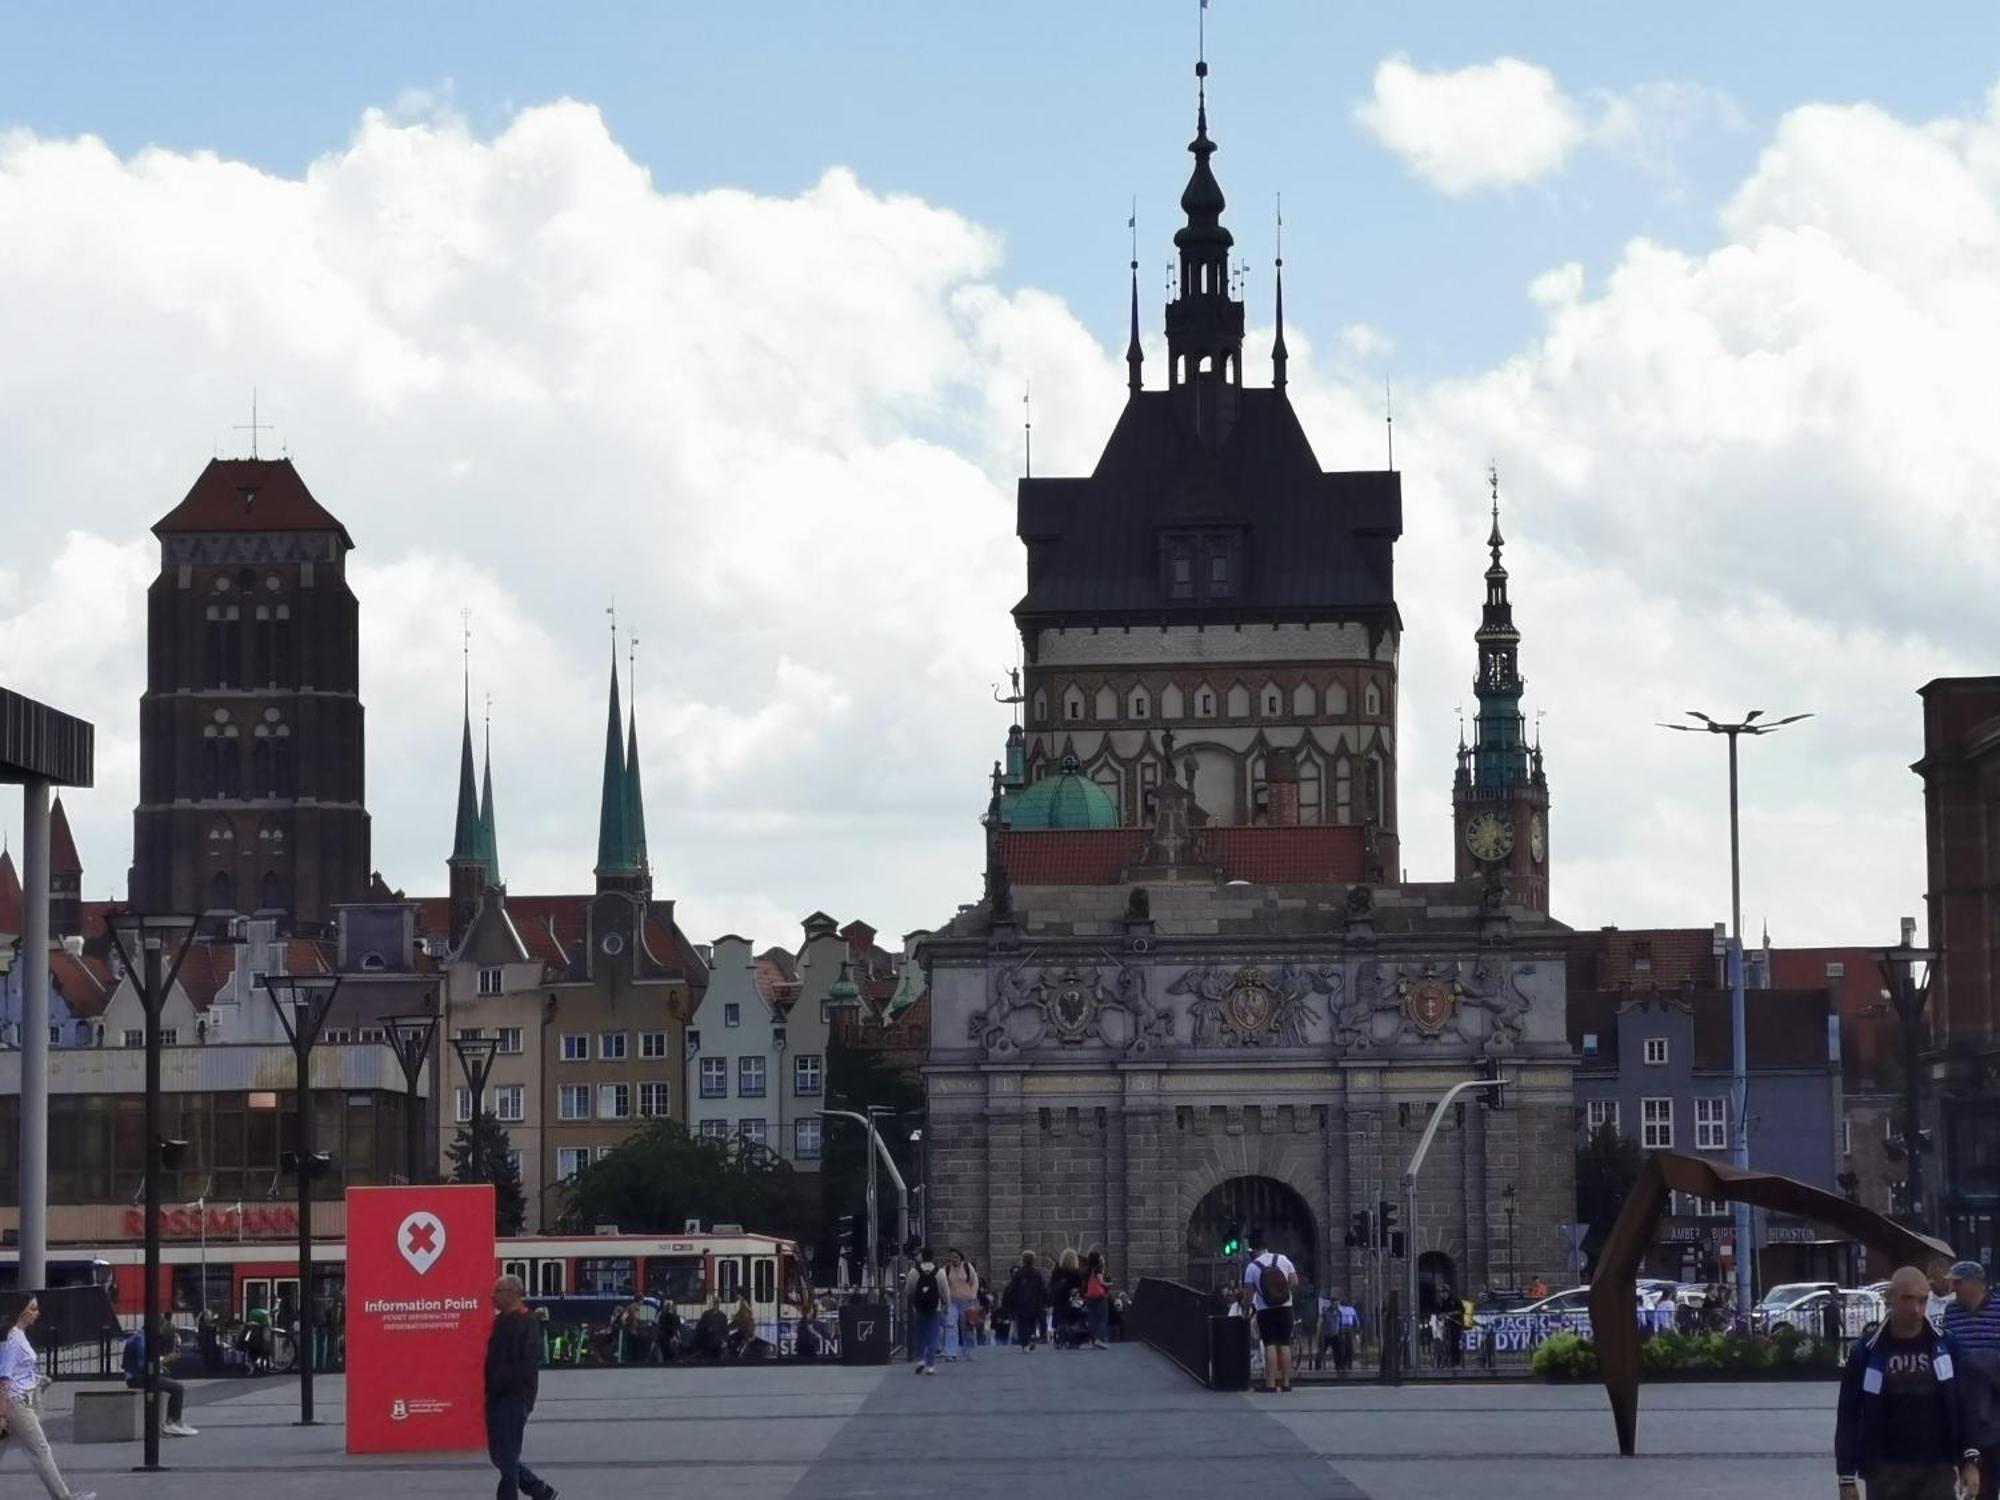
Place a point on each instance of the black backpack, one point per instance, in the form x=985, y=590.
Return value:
x=924, y=1296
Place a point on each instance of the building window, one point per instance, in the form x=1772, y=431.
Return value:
x=571, y=1160
x=1711, y=1124
x=1141, y=707
x=1656, y=1124
x=1180, y=572
x=751, y=1131
x=614, y=1101
x=732, y=1014
x=807, y=1072
x=1656, y=1051
x=135, y=1037
x=169, y=1037
x=750, y=1077
x=652, y=1045
x=1601, y=1112
x=336, y=1035
x=1273, y=703
x=575, y=1046
x=510, y=1103
x=573, y=1102
x=806, y=1138
x=1371, y=700
x=472, y=1033
x=611, y=1046
x=1073, y=705
x=1204, y=704
x=375, y=1034
x=490, y=979
x=714, y=1130
x=510, y=1041
x=463, y=1110
x=715, y=1078
x=656, y=1101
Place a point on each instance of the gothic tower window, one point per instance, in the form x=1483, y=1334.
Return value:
x=1371, y=701
x=1309, y=789
x=1304, y=702
x=222, y=891
x=1140, y=704
x=1372, y=789
x=1041, y=707
x=1343, y=790
x=1274, y=701
x=1204, y=703
x=1107, y=704
x=1239, y=701
x=1073, y=705
x=1336, y=700
x=271, y=895
x=1107, y=776
x=1173, y=702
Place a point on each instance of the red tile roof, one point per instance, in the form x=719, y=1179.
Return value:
x=205, y=971
x=84, y=982
x=1645, y=958
x=63, y=858
x=1308, y=854
x=249, y=494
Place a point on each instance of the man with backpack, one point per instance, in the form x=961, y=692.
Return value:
x=1270, y=1277
x=928, y=1296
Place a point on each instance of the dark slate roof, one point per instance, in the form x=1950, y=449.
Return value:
x=1316, y=542
x=1782, y=1028
x=250, y=494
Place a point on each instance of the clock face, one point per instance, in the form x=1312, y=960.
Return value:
x=1538, y=843
x=1489, y=837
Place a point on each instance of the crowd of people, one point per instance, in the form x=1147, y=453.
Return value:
x=954, y=1311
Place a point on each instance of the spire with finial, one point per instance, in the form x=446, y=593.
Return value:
x=489, y=837
x=635, y=799
x=465, y=840
x=1501, y=756
x=1204, y=321
x=1135, y=355
x=614, y=857
x=1278, y=351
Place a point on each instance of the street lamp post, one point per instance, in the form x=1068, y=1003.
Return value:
x=411, y=1038
x=475, y=1060
x=877, y=1148
x=1445, y=1102
x=1510, y=1198
x=1739, y=1062
x=1909, y=991
x=150, y=936
x=302, y=1002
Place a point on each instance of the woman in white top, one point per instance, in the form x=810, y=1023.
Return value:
x=20, y=1405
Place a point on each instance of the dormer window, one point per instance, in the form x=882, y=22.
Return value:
x=1200, y=564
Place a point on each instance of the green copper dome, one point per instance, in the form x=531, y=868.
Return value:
x=1068, y=799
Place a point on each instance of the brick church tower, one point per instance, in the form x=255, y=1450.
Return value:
x=251, y=758
x=1500, y=798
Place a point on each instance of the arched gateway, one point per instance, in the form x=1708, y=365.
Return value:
x=1246, y=1208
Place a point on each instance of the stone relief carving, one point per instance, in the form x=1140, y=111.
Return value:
x=1248, y=1007
x=1068, y=1004
x=1428, y=1002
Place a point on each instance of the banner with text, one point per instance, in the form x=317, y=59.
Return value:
x=420, y=1272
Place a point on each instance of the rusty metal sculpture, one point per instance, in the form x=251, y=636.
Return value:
x=1614, y=1303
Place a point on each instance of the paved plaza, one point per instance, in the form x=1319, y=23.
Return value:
x=1046, y=1426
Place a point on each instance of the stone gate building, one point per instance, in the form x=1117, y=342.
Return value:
x=1195, y=1001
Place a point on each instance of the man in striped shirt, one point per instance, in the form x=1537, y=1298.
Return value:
x=1972, y=1328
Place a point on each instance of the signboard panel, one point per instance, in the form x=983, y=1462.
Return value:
x=420, y=1273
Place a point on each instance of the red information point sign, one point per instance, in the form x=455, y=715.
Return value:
x=420, y=1273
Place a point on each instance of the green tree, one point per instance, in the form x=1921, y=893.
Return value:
x=1607, y=1167
x=483, y=1152
x=660, y=1176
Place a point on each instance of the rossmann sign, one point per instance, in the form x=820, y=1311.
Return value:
x=220, y=1222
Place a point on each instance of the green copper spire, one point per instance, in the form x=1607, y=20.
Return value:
x=614, y=849
x=489, y=841
x=465, y=841
x=635, y=799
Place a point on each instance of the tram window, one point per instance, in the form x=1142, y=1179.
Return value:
x=518, y=1269
x=548, y=1278
x=796, y=1291
x=191, y=1294
x=728, y=1277
x=604, y=1276
x=286, y=1290
x=675, y=1278
x=256, y=1294
x=763, y=1282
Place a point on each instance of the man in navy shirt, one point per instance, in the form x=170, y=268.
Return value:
x=1972, y=1326
x=135, y=1378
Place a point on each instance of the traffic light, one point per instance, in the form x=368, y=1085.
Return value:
x=1362, y=1235
x=852, y=1230
x=1385, y=1224
x=1396, y=1245
x=1489, y=1069
x=1232, y=1238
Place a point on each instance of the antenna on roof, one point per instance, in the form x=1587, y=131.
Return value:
x=253, y=426
x=1027, y=429
x=465, y=655
x=632, y=668
x=1389, y=420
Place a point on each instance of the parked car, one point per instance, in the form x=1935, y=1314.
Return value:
x=1859, y=1309
x=1778, y=1299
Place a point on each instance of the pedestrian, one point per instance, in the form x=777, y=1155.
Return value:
x=1348, y=1337
x=1900, y=1426
x=1097, y=1301
x=960, y=1330
x=1972, y=1327
x=1537, y=1288
x=929, y=1297
x=1269, y=1277
x=513, y=1376
x=21, y=1383
x=1026, y=1301
x=138, y=1356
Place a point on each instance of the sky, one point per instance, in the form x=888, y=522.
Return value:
x=723, y=313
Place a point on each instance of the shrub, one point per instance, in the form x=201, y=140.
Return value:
x=1568, y=1354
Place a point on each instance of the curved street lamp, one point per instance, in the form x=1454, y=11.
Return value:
x=302, y=1002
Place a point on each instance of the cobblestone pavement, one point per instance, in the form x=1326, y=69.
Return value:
x=1042, y=1426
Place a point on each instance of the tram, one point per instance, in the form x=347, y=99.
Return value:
x=580, y=1279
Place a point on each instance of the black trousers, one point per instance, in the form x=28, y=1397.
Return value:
x=173, y=1390
x=506, y=1427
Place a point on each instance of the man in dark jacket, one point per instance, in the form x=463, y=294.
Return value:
x=1972, y=1324
x=513, y=1374
x=1901, y=1427
x=1026, y=1302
